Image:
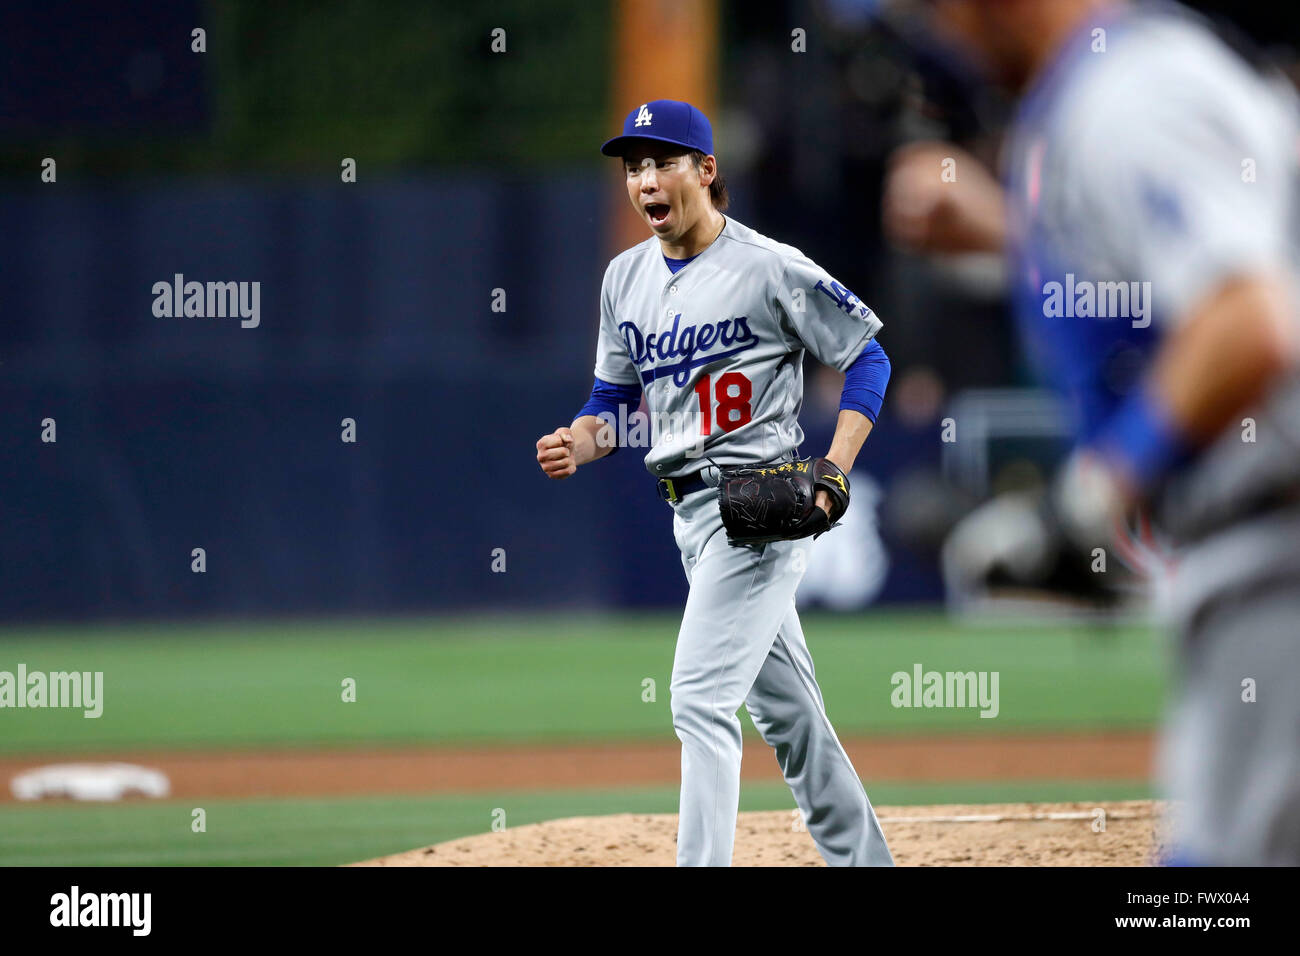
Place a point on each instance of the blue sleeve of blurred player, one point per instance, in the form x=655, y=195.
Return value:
x=1143, y=437
x=865, y=381
x=607, y=397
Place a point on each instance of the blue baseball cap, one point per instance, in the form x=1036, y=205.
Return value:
x=664, y=121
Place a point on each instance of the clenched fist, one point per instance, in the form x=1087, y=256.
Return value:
x=555, y=454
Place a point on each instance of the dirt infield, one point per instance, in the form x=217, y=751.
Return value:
x=236, y=774
x=1011, y=834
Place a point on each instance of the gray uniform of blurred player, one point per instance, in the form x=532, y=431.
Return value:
x=1169, y=159
x=718, y=349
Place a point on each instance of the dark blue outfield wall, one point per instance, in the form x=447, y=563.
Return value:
x=375, y=305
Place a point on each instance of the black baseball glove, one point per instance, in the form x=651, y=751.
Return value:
x=779, y=502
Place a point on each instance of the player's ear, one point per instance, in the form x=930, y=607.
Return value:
x=708, y=167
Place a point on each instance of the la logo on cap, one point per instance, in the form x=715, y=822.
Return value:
x=643, y=116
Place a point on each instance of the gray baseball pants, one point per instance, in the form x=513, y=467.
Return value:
x=740, y=642
x=1230, y=752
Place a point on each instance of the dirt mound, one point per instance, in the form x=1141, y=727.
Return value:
x=1003, y=834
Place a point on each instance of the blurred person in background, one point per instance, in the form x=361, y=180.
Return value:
x=847, y=572
x=1149, y=213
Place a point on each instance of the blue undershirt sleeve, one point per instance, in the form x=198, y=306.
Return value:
x=865, y=381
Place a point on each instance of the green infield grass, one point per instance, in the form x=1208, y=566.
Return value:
x=520, y=679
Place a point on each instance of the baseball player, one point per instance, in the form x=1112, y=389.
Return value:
x=1149, y=159
x=710, y=320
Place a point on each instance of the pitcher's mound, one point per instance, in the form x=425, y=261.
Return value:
x=1001, y=834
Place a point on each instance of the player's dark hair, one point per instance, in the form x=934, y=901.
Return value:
x=717, y=188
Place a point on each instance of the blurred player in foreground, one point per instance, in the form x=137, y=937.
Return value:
x=1149, y=211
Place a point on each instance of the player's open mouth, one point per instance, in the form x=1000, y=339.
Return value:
x=658, y=212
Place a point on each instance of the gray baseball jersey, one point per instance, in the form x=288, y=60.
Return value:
x=1149, y=171
x=1155, y=153
x=718, y=347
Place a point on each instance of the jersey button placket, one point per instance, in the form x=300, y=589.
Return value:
x=670, y=312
